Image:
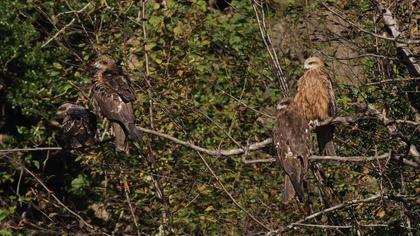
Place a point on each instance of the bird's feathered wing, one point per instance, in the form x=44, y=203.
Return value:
x=316, y=101
x=79, y=127
x=292, y=140
x=113, y=95
x=120, y=84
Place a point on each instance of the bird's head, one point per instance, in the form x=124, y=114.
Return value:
x=313, y=63
x=104, y=63
x=284, y=103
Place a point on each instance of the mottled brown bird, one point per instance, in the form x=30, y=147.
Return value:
x=292, y=141
x=112, y=96
x=78, y=126
x=316, y=101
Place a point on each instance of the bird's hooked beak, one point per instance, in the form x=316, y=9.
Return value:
x=97, y=65
x=60, y=112
x=281, y=106
x=285, y=102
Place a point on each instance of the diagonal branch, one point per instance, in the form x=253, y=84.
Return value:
x=395, y=38
x=58, y=33
x=89, y=226
x=403, y=51
x=278, y=72
x=335, y=208
x=230, y=195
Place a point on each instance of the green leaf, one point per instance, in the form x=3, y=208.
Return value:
x=150, y=46
x=57, y=65
x=178, y=30
x=36, y=164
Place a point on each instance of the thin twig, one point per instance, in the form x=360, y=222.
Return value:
x=166, y=211
x=142, y=16
x=331, y=209
x=74, y=11
x=237, y=151
x=30, y=149
x=230, y=152
x=395, y=39
x=278, y=73
x=350, y=158
x=392, y=80
x=127, y=196
x=60, y=202
x=230, y=195
x=247, y=106
x=404, y=52
x=76, y=14
x=58, y=33
x=341, y=226
x=345, y=159
x=363, y=55
x=19, y=181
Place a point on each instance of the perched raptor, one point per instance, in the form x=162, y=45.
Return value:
x=79, y=125
x=292, y=140
x=316, y=101
x=112, y=96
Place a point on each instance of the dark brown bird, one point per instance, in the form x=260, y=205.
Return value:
x=316, y=101
x=79, y=126
x=292, y=140
x=112, y=96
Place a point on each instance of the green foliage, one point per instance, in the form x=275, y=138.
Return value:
x=79, y=185
x=204, y=65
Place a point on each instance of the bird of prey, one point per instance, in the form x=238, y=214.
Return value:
x=316, y=101
x=292, y=141
x=112, y=96
x=79, y=125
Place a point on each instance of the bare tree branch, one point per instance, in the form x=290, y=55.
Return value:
x=335, y=208
x=151, y=160
x=230, y=152
x=58, y=33
x=394, y=38
x=392, y=81
x=85, y=223
x=127, y=196
x=371, y=113
x=278, y=72
x=263, y=144
x=403, y=51
x=31, y=149
x=341, y=226
x=74, y=11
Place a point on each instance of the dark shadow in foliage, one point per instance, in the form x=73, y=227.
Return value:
x=221, y=5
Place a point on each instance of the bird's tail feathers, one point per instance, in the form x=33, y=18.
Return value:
x=297, y=184
x=120, y=138
x=133, y=132
x=291, y=190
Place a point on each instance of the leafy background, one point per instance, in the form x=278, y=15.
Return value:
x=201, y=62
